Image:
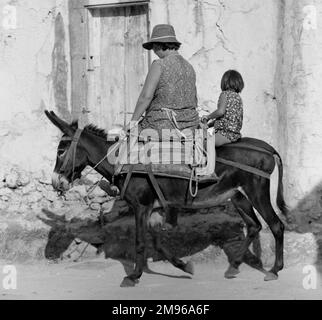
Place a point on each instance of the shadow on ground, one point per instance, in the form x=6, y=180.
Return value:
x=115, y=236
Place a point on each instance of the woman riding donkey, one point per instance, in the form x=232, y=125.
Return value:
x=169, y=95
x=170, y=88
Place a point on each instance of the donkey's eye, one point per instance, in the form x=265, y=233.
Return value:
x=61, y=152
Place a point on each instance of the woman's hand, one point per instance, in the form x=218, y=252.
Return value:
x=127, y=128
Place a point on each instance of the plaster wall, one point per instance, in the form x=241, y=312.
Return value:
x=275, y=45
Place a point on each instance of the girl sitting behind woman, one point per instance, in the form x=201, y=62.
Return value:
x=229, y=114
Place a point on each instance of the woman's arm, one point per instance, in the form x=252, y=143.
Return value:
x=147, y=93
x=221, y=108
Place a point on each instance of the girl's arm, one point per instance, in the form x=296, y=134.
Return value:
x=221, y=108
x=147, y=93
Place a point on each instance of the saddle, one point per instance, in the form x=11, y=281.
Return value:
x=188, y=170
x=175, y=166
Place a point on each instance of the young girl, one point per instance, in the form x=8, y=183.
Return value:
x=229, y=114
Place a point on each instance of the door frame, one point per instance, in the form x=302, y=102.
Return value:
x=97, y=4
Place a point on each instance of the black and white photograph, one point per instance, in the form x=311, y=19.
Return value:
x=161, y=155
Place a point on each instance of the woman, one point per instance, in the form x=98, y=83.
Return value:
x=169, y=96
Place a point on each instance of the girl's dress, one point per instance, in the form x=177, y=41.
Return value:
x=230, y=124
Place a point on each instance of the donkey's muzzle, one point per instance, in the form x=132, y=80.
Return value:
x=59, y=182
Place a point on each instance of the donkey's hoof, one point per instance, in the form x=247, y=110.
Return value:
x=189, y=268
x=270, y=276
x=127, y=282
x=231, y=272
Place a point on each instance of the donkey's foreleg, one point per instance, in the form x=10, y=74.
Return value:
x=141, y=213
x=163, y=221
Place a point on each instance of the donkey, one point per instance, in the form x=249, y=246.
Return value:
x=247, y=190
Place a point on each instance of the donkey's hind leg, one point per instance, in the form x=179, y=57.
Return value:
x=246, y=211
x=260, y=198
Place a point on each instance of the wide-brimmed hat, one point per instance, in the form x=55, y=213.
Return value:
x=161, y=33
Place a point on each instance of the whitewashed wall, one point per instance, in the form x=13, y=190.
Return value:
x=27, y=76
x=221, y=35
x=299, y=96
x=34, y=75
x=266, y=41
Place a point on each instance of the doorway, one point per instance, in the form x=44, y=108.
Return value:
x=116, y=62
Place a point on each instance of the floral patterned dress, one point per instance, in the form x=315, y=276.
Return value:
x=176, y=91
x=230, y=124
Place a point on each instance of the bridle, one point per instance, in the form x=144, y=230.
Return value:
x=71, y=152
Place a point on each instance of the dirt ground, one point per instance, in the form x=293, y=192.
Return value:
x=100, y=279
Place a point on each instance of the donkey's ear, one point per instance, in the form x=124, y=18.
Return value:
x=59, y=123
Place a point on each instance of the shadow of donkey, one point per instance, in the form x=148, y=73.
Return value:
x=115, y=237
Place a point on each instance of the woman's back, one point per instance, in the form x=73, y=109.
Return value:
x=176, y=91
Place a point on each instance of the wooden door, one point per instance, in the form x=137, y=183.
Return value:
x=117, y=63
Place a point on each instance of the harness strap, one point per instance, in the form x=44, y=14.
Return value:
x=72, y=151
x=244, y=167
x=118, y=170
x=127, y=180
x=156, y=187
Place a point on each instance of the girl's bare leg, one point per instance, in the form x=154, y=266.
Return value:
x=220, y=140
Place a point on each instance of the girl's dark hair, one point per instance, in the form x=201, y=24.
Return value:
x=166, y=45
x=232, y=80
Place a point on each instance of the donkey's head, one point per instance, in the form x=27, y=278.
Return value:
x=72, y=154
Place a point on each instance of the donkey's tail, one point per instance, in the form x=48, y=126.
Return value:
x=280, y=191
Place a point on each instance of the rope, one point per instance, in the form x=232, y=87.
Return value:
x=97, y=164
x=172, y=118
x=200, y=151
x=114, y=147
x=193, y=176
